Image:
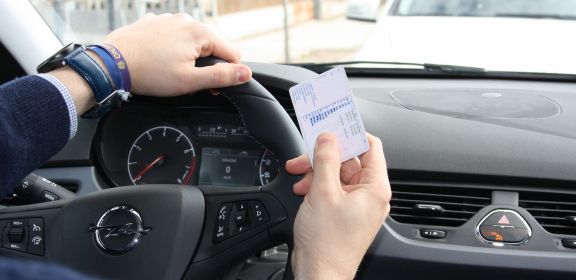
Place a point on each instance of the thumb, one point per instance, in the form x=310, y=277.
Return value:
x=220, y=75
x=326, y=164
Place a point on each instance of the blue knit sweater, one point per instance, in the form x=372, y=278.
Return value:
x=34, y=126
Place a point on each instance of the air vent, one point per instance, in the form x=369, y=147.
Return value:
x=436, y=204
x=556, y=212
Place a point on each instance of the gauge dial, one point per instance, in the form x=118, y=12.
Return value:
x=161, y=155
x=268, y=167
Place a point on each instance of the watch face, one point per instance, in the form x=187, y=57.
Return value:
x=55, y=61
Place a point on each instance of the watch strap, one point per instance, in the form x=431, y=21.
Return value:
x=89, y=69
x=102, y=108
x=115, y=75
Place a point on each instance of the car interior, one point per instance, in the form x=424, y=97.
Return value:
x=482, y=167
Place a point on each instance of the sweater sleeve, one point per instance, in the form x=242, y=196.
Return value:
x=34, y=126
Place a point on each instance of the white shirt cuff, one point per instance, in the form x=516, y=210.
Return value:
x=69, y=102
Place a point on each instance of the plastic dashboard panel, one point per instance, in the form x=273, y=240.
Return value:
x=492, y=149
x=537, y=148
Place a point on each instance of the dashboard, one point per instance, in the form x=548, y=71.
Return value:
x=482, y=168
x=143, y=144
x=458, y=150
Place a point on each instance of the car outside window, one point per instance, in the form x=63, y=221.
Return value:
x=486, y=8
x=497, y=35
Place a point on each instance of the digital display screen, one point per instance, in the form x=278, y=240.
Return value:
x=222, y=166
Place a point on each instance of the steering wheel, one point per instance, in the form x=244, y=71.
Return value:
x=170, y=231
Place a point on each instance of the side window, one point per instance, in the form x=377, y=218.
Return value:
x=9, y=67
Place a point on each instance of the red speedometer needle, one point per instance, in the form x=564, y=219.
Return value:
x=148, y=167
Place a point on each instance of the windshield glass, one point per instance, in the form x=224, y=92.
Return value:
x=512, y=35
x=487, y=8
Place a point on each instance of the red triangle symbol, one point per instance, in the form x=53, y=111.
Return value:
x=504, y=220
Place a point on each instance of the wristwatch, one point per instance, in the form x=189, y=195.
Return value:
x=75, y=57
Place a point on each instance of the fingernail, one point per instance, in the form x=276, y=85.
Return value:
x=323, y=139
x=243, y=75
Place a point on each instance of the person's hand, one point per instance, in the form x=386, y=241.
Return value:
x=161, y=52
x=343, y=209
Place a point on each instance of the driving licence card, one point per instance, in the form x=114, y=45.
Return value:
x=326, y=104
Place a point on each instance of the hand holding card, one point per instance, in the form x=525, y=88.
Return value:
x=326, y=104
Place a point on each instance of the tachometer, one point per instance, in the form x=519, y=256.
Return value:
x=268, y=167
x=161, y=155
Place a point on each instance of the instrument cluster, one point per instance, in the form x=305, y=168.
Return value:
x=146, y=145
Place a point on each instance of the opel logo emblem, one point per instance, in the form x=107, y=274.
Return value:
x=119, y=230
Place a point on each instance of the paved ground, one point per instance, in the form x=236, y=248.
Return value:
x=312, y=41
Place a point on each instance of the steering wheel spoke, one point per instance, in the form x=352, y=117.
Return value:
x=236, y=227
x=113, y=232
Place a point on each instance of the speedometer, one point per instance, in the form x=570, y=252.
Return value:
x=161, y=155
x=268, y=167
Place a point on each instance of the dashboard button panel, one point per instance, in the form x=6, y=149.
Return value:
x=433, y=233
x=24, y=235
x=503, y=226
x=221, y=231
x=36, y=236
x=259, y=213
x=506, y=234
x=242, y=217
x=16, y=235
x=504, y=218
x=569, y=243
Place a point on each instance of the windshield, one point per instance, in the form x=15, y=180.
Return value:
x=487, y=8
x=496, y=35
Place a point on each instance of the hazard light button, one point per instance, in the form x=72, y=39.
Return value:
x=504, y=226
